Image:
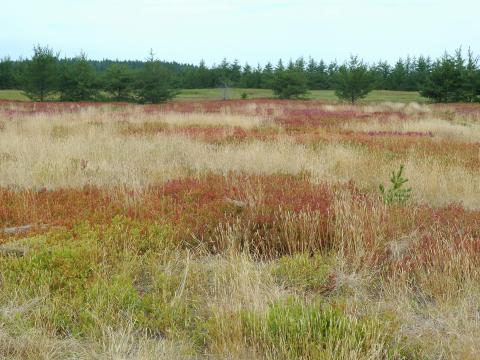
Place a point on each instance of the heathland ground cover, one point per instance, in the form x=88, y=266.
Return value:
x=249, y=229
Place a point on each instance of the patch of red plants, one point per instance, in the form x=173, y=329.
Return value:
x=438, y=235
x=192, y=206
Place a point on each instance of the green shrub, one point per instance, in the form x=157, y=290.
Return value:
x=296, y=330
x=91, y=276
x=302, y=272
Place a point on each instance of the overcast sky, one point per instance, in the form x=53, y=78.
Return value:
x=249, y=30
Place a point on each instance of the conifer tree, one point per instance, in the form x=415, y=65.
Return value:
x=289, y=84
x=353, y=81
x=118, y=80
x=40, y=76
x=154, y=83
x=7, y=74
x=446, y=80
x=77, y=80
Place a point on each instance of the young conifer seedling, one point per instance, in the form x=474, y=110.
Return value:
x=397, y=193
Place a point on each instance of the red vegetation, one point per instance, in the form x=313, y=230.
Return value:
x=276, y=215
x=268, y=209
x=195, y=208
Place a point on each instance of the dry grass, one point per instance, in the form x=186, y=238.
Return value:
x=88, y=148
x=250, y=230
x=438, y=128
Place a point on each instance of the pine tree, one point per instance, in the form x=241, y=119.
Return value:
x=422, y=70
x=235, y=71
x=300, y=64
x=289, y=84
x=353, y=81
x=445, y=82
x=40, y=77
x=267, y=76
x=118, y=80
x=7, y=74
x=280, y=67
x=154, y=83
x=471, y=78
x=205, y=78
x=247, y=79
x=317, y=75
x=77, y=80
x=382, y=71
x=257, y=77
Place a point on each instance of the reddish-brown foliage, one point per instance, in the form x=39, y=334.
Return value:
x=192, y=206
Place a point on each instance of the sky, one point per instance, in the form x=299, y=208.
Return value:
x=253, y=31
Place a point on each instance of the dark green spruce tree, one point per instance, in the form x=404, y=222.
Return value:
x=289, y=84
x=353, y=81
x=118, y=81
x=446, y=80
x=154, y=83
x=39, y=78
x=77, y=81
x=471, y=79
x=7, y=74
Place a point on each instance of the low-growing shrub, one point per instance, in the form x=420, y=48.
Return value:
x=303, y=272
x=98, y=275
x=297, y=330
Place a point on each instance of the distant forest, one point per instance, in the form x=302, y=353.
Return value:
x=451, y=74
x=407, y=74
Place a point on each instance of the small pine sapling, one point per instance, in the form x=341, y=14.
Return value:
x=397, y=193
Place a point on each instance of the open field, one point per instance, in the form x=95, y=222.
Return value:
x=14, y=95
x=250, y=229
x=235, y=93
x=322, y=95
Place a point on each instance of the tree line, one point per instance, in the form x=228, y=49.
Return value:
x=451, y=78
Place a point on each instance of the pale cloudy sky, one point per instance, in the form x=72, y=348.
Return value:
x=249, y=30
